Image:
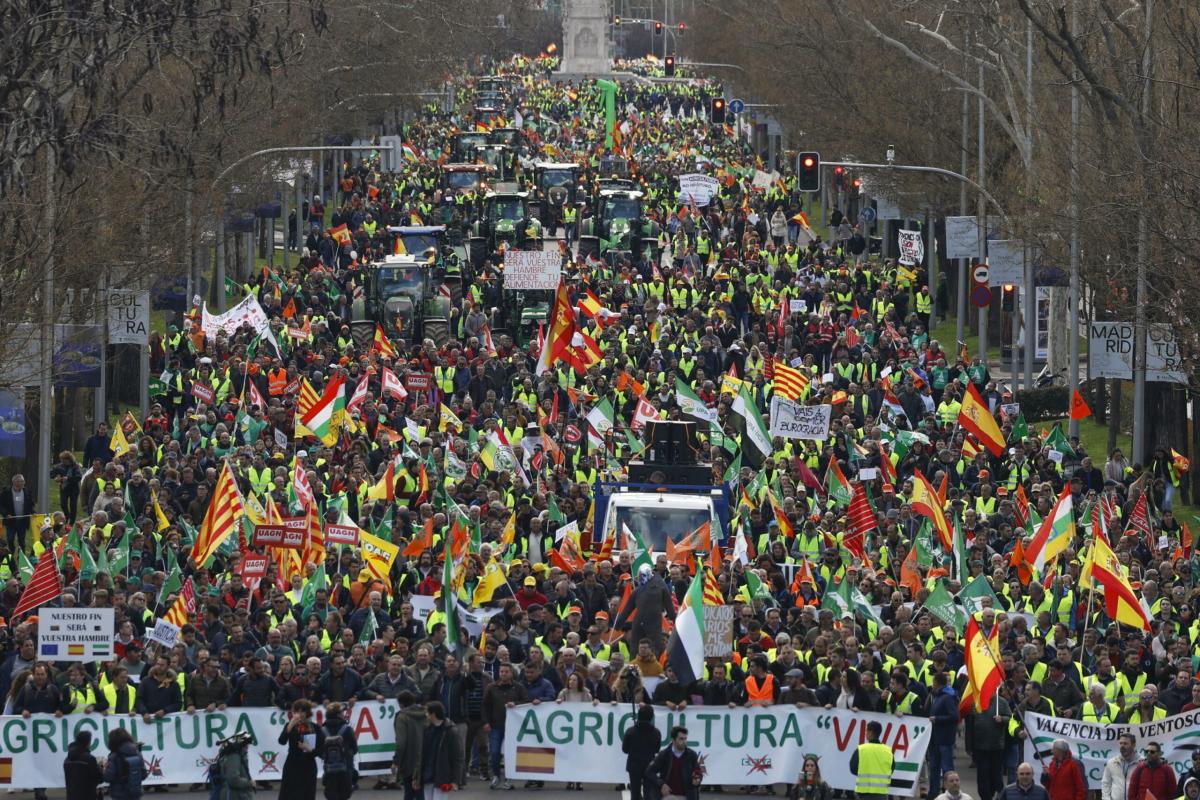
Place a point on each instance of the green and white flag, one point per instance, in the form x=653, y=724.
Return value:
x=685, y=649
x=756, y=439
x=839, y=601
x=972, y=595
x=370, y=629
x=960, y=551
x=941, y=604
x=600, y=421
x=449, y=597
x=754, y=589
x=691, y=405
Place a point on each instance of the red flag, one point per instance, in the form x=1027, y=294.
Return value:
x=43, y=587
x=806, y=475
x=910, y=575
x=304, y=493
x=1185, y=538
x=1139, y=522
x=1079, y=407
x=1021, y=505
x=861, y=519
x=783, y=313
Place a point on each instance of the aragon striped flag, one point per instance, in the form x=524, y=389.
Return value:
x=183, y=607
x=789, y=381
x=685, y=650
x=224, y=514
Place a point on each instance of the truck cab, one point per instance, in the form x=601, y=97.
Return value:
x=556, y=186
x=455, y=179
x=463, y=144
x=658, y=512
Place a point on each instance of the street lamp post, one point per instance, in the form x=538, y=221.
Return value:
x=220, y=227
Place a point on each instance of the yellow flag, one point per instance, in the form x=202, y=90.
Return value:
x=254, y=510
x=119, y=444
x=163, y=522
x=378, y=556
x=493, y=578
x=449, y=420
x=509, y=535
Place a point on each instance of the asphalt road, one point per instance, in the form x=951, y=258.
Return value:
x=477, y=790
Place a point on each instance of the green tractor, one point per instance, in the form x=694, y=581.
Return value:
x=401, y=293
x=556, y=186
x=619, y=226
x=455, y=179
x=523, y=312
x=506, y=220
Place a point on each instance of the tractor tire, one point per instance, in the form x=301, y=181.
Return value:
x=362, y=331
x=478, y=250
x=588, y=246
x=438, y=329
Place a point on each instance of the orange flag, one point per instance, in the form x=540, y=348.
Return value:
x=421, y=543
x=289, y=310
x=910, y=575
x=1018, y=560
x=1079, y=407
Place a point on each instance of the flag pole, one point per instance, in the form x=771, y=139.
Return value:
x=1087, y=616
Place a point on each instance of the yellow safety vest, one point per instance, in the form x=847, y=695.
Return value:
x=110, y=694
x=874, y=769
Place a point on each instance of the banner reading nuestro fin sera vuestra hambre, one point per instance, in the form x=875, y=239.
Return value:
x=178, y=748
x=743, y=746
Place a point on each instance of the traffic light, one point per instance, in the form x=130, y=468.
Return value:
x=839, y=178
x=669, y=65
x=658, y=29
x=683, y=26
x=1008, y=298
x=808, y=172
x=616, y=20
x=717, y=117
x=857, y=184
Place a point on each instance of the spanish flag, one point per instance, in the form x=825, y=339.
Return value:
x=340, y=234
x=979, y=422
x=383, y=345
x=984, y=673
x=926, y=503
x=1120, y=603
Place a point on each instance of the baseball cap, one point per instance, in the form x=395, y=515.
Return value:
x=530, y=581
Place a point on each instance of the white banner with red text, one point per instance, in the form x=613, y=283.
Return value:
x=178, y=748
x=741, y=746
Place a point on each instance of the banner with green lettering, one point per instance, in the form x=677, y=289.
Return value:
x=178, y=748
x=742, y=746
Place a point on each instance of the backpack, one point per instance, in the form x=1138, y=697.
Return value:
x=335, y=756
x=132, y=771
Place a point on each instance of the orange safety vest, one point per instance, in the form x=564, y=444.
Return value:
x=762, y=695
x=277, y=381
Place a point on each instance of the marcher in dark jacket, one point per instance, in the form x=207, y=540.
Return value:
x=124, y=770
x=299, y=778
x=640, y=744
x=1152, y=776
x=339, y=779
x=81, y=770
x=943, y=712
x=410, y=730
x=676, y=769
x=441, y=753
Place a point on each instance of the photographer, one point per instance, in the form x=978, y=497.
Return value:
x=230, y=776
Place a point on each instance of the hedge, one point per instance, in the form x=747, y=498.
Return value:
x=1042, y=404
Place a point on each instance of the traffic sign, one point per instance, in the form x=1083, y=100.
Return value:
x=980, y=273
x=981, y=296
x=866, y=215
x=737, y=106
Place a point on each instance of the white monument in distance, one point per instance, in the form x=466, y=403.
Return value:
x=586, y=48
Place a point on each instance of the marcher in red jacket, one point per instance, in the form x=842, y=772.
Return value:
x=1152, y=776
x=1063, y=777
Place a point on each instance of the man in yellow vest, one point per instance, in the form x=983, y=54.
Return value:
x=872, y=763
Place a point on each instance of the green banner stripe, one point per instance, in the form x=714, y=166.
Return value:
x=1188, y=735
x=377, y=748
x=906, y=767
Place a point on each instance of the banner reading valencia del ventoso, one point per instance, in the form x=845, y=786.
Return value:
x=1094, y=744
x=744, y=746
x=178, y=748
